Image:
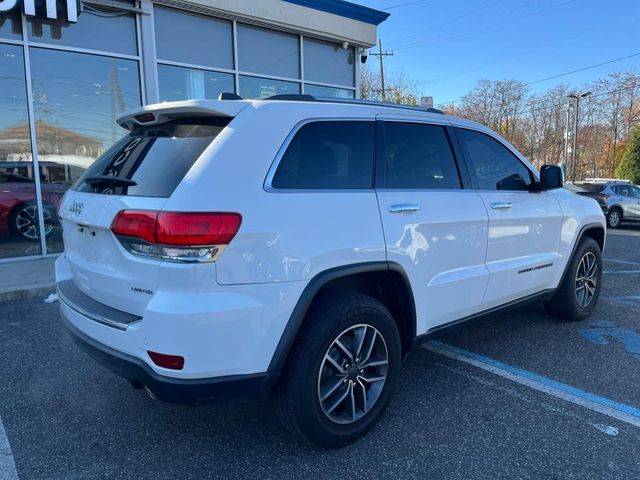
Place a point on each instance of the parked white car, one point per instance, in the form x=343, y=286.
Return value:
x=297, y=248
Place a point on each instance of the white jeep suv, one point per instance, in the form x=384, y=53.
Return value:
x=297, y=247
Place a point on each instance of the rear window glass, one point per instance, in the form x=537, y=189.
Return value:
x=589, y=187
x=151, y=161
x=328, y=155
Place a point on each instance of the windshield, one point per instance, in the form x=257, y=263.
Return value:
x=151, y=161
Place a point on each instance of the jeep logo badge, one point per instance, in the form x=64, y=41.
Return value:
x=76, y=208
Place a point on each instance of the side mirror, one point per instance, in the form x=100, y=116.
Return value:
x=551, y=177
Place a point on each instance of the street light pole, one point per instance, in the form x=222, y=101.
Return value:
x=574, y=153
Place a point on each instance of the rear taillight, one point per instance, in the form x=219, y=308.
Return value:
x=177, y=236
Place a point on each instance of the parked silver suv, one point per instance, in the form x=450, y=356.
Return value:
x=621, y=197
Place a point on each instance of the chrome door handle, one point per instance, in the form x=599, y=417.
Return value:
x=405, y=208
x=501, y=205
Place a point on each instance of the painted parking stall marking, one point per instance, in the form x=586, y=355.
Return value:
x=7, y=465
x=605, y=406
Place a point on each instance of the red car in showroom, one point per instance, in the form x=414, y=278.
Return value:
x=18, y=206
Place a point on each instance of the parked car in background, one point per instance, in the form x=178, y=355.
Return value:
x=18, y=205
x=619, y=199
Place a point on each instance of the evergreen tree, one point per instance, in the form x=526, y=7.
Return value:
x=629, y=166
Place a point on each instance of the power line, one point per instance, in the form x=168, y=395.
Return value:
x=563, y=74
x=584, y=68
x=482, y=29
x=404, y=4
x=433, y=27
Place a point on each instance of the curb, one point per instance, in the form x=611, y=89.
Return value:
x=40, y=290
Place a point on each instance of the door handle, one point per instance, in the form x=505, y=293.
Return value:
x=405, y=208
x=501, y=205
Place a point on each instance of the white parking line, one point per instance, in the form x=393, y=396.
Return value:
x=605, y=406
x=621, y=271
x=7, y=465
x=625, y=262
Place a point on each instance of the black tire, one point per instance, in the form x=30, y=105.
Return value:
x=297, y=396
x=614, y=217
x=567, y=303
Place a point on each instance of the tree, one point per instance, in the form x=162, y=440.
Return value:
x=399, y=87
x=629, y=166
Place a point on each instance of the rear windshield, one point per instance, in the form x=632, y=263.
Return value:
x=151, y=161
x=589, y=187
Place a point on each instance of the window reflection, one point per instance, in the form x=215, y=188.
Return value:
x=268, y=52
x=76, y=100
x=326, y=62
x=177, y=83
x=319, y=91
x=101, y=28
x=11, y=25
x=254, y=87
x=19, y=228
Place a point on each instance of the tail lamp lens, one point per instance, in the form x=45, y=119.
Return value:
x=178, y=236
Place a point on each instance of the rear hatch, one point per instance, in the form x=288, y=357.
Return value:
x=139, y=173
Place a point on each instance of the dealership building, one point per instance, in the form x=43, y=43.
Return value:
x=69, y=68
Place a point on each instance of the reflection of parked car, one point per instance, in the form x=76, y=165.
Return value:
x=590, y=190
x=619, y=198
x=18, y=206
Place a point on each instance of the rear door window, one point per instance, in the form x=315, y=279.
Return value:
x=328, y=155
x=418, y=156
x=151, y=161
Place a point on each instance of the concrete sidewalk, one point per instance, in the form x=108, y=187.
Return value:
x=27, y=279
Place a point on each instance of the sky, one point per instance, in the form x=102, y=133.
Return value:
x=447, y=45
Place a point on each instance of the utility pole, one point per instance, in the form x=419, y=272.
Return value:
x=577, y=96
x=566, y=140
x=381, y=54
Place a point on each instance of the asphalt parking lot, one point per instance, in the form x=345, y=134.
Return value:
x=516, y=395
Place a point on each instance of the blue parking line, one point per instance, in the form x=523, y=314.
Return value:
x=553, y=385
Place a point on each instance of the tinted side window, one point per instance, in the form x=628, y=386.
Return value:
x=623, y=190
x=328, y=155
x=492, y=166
x=418, y=156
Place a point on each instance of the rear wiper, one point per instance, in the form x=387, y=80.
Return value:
x=109, y=181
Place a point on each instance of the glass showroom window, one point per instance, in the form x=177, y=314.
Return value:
x=268, y=52
x=19, y=227
x=319, y=91
x=184, y=70
x=255, y=87
x=329, y=64
x=77, y=98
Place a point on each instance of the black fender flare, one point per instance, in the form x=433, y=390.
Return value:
x=296, y=319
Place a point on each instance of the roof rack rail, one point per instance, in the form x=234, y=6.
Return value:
x=354, y=101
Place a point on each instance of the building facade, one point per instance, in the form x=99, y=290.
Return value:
x=68, y=70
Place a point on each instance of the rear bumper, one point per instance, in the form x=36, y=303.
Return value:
x=175, y=390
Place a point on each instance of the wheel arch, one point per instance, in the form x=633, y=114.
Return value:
x=591, y=230
x=385, y=281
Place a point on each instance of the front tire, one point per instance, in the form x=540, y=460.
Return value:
x=614, y=217
x=577, y=296
x=342, y=371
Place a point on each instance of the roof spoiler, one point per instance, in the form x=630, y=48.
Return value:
x=163, y=112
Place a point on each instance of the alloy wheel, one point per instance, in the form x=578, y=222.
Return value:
x=586, y=279
x=614, y=218
x=352, y=374
x=26, y=222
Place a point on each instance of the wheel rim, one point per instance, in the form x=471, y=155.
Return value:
x=587, y=279
x=352, y=374
x=27, y=222
x=614, y=218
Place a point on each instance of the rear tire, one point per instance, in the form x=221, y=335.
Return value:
x=312, y=384
x=614, y=217
x=578, y=294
